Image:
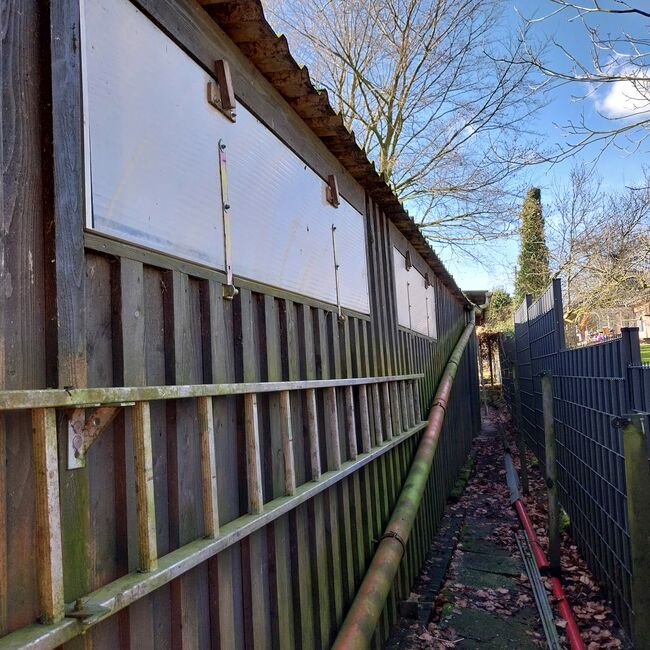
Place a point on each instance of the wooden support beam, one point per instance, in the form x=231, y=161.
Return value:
x=124, y=591
x=312, y=432
x=416, y=400
x=208, y=466
x=395, y=409
x=403, y=399
x=49, y=558
x=332, y=424
x=376, y=411
x=364, y=417
x=350, y=424
x=410, y=406
x=253, y=462
x=144, y=490
x=387, y=411
x=287, y=443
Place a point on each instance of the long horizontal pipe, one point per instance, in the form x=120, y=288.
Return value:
x=362, y=618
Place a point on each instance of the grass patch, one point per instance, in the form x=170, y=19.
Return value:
x=645, y=352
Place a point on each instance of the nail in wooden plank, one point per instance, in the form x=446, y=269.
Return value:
x=208, y=467
x=364, y=417
x=332, y=423
x=312, y=431
x=144, y=487
x=253, y=462
x=350, y=424
x=287, y=443
x=49, y=557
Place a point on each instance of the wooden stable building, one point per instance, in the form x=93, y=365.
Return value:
x=220, y=337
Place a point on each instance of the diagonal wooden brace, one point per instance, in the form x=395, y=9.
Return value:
x=83, y=431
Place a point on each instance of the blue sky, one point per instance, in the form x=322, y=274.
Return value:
x=616, y=167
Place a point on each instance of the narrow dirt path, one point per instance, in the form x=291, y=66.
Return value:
x=485, y=600
x=473, y=591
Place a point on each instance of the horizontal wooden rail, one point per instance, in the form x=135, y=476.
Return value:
x=115, y=596
x=80, y=397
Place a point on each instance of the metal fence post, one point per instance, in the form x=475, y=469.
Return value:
x=551, y=474
x=521, y=443
x=637, y=478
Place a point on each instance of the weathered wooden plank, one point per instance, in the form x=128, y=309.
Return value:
x=287, y=443
x=255, y=552
x=184, y=363
x=376, y=415
x=350, y=424
x=387, y=412
x=312, y=433
x=205, y=411
x=49, y=557
x=366, y=442
x=332, y=433
x=144, y=487
x=253, y=462
x=224, y=570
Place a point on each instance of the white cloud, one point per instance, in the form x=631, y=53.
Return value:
x=625, y=98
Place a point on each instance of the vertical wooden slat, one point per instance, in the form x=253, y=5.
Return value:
x=49, y=557
x=416, y=400
x=387, y=424
x=376, y=412
x=253, y=462
x=364, y=418
x=350, y=424
x=208, y=466
x=312, y=432
x=145, y=500
x=287, y=443
x=404, y=402
x=332, y=424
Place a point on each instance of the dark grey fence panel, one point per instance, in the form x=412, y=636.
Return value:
x=594, y=387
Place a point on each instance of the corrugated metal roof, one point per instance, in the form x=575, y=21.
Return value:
x=246, y=25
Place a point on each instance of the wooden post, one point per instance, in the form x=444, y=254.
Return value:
x=332, y=423
x=364, y=416
x=376, y=411
x=521, y=443
x=144, y=491
x=350, y=425
x=253, y=462
x=49, y=559
x=208, y=467
x=637, y=478
x=551, y=474
x=287, y=443
x=388, y=416
x=312, y=429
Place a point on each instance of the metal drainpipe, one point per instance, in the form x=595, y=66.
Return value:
x=362, y=618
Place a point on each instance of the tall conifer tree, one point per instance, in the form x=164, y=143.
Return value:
x=533, y=271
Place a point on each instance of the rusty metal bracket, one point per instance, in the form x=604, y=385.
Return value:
x=83, y=431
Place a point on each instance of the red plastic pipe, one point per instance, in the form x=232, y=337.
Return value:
x=572, y=631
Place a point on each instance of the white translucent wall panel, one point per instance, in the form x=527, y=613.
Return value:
x=282, y=230
x=153, y=137
x=415, y=301
x=401, y=288
x=418, y=295
x=155, y=173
